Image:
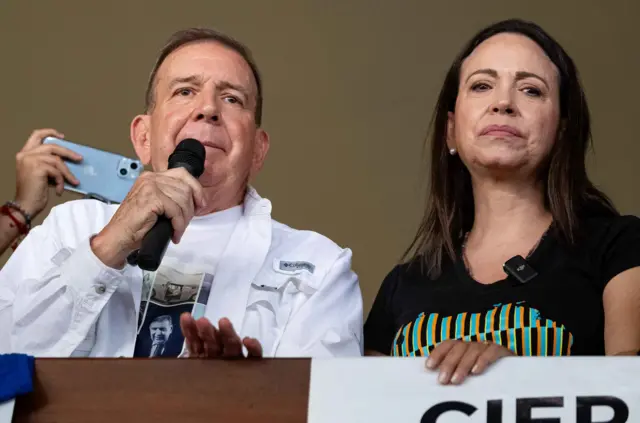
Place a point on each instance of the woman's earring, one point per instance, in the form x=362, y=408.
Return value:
x=452, y=151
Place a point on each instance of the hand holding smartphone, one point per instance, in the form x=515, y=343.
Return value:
x=38, y=167
x=101, y=174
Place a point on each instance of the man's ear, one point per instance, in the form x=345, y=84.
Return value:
x=140, y=137
x=451, y=128
x=260, y=150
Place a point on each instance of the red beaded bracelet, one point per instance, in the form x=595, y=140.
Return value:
x=22, y=228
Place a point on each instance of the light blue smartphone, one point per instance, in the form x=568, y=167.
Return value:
x=102, y=175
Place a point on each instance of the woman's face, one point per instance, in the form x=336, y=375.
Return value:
x=508, y=107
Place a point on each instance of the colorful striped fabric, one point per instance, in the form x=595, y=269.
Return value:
x=515, y=326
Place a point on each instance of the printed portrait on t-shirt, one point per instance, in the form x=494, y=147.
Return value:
x=166, y=294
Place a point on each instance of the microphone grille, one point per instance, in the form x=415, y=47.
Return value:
x=189, y=152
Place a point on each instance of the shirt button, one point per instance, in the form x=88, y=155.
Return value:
x=101, y=289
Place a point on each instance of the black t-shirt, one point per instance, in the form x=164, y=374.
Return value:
x=559, y=312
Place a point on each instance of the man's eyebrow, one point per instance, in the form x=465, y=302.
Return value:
x=192, y=79
x=226, y=84
x=198, y=80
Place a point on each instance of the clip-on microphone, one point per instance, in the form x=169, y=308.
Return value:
x=520, y=269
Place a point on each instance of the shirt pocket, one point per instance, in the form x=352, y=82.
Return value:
x=274, y=297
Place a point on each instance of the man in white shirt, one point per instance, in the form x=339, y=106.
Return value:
x=233, y=277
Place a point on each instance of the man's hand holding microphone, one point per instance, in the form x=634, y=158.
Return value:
x=158, y=209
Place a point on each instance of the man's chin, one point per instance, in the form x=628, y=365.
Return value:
x=213, y=177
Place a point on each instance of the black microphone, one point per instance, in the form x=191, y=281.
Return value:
x=189, y=154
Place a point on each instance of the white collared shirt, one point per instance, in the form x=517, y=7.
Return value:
x=293, y=290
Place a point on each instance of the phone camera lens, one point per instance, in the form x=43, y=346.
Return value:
x=123, y=171
x=134, y=166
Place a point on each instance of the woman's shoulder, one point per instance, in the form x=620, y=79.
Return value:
x=610, y=242
x=601, y=228
x=598, y=219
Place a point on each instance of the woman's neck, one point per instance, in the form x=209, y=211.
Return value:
x=507, y=211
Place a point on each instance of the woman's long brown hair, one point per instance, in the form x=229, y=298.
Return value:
x=449, y=212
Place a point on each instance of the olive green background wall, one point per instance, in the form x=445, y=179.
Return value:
x=349, y=90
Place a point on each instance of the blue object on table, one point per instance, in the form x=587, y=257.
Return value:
x=16, y=375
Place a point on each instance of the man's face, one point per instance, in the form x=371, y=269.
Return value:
x=160, y=331
x=205, y=91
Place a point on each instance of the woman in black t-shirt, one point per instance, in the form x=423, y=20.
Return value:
x=517, y=253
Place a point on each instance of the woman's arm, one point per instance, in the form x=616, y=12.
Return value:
x=621, y=300
x=36, y=165
x=9, y=231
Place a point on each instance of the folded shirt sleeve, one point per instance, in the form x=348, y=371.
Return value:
x=58, y=292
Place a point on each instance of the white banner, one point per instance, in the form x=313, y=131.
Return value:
x=514, y=390
x=6, y=411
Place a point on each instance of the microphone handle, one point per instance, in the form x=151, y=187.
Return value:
x=154, y=244
x=156, y=241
